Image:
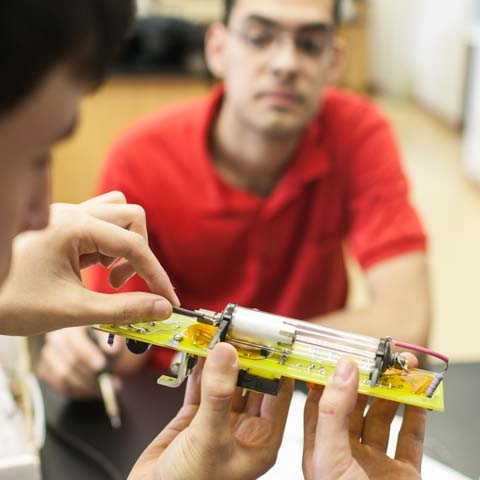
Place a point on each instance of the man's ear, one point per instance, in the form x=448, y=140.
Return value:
x=215, y=39
x=337, y=60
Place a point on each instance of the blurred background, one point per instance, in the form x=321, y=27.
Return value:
x=418, y=59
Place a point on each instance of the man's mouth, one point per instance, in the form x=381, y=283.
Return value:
x=281, y=99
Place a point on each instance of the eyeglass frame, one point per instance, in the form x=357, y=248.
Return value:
x=277, y=31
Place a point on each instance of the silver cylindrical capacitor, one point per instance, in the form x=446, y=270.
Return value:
x=309, y=341
x=260, y=328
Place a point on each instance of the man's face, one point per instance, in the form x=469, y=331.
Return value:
x=26, y=137
x=275, y=57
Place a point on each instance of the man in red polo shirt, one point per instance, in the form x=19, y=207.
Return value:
x=252, y=192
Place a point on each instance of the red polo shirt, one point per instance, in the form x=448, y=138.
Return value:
x=282, y=253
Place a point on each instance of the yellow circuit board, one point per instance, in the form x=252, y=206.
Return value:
x=184, y=334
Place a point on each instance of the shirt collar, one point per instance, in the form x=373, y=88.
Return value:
x=310, y=163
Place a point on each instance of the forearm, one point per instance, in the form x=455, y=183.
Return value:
x=411, y=326
x=399, y=302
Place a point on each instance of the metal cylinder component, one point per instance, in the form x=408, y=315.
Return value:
x=310, y=341
x=260, y=328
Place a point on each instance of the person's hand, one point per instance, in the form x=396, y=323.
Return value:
x=44, y=290
x=341, y=443
x=218, y=434
x=70, y=361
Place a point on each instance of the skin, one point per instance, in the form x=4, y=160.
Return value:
x=218, y=433
x=270, y=98
x=341, y=442
x=100, y=230
x=25, y=194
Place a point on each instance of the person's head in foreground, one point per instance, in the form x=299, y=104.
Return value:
x=51, y=53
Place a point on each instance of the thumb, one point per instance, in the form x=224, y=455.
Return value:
x=219, y=380
x=332, y=443
x=123, y=308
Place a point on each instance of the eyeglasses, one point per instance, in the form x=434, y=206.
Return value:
x=311, y=44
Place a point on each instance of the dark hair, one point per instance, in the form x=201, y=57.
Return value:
x=229, y=5
x=38, y=35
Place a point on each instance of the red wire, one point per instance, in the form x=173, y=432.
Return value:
x=421, y=349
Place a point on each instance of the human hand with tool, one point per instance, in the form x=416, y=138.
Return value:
x=71, y=360
x=218, y=433
x=341, y=442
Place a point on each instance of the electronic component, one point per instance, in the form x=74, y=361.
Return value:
x=271, y=347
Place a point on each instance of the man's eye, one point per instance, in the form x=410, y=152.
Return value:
x=311, y=46
x=260, y=39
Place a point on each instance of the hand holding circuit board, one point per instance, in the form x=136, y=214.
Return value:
x=272, y=347
x=220, y=432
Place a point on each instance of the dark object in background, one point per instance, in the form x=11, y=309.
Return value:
x=163, y=45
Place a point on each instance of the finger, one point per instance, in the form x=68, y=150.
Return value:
x=335, y=408
x=412, y=360
x=106, y=261
x=131, y=217
x=275, y=410
x=128, y=216
x=310, y=418
x=89, y=259
x=122, y=308
x=193, y=390
x=253, y=404
x=60, y=376
x=110, y=197
x=144, y=467
x=87, y=351
x=219, y=381
x=356, y=419
x=240, y=399
x=112, y=241
x=376, y=426
x=71, y=345
x=411, y=437
x=120, y=274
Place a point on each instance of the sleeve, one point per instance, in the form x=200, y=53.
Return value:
x=382, y=222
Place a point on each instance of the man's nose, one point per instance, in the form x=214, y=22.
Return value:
x=285, y=59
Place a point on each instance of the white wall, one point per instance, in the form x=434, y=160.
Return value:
x=418, y=47
x=471, y=136
x=390, y=29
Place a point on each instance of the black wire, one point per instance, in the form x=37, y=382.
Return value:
x=84, y=449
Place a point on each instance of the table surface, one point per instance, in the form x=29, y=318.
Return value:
x=451, y=437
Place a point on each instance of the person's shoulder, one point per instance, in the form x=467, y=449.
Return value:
x=166, y=122
x=163, y=145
